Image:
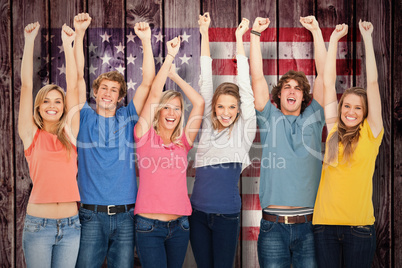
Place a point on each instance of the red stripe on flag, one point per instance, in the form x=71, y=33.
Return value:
x=250, y=202
x=250, y=233
x=286, y=34
x=253, y=170
x=228, y=66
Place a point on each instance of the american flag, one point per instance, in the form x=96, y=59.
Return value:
x=120, y=49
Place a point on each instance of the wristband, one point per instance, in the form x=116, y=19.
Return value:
x=171, y=55
x=255, y=32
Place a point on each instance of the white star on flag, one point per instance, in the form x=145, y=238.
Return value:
x=47, y=37
x=186, y=105
x=120, y=69
x=131, y=84
x=131, y=59
x=105, y=59
x=92, y=69
x=130, y=38
x=185, y=37
x=177, y=69
x=159, y=59
x=120, y=48
x=62, y=69
x=105, y=37
x=61, y=49
x=159, y=37
x=184, y=59
x=92, y=48
x=47, y=58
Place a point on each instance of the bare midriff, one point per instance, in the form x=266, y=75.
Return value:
x=160, y=217
x=53, y=210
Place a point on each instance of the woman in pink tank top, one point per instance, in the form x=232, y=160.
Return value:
x=162, y=206
x=48, y=130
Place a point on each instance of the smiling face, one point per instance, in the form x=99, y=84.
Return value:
x=226, y=110
x=52, y=107
x=107, y=96
x=291, y=98
x=170, y=114
x=352, y=110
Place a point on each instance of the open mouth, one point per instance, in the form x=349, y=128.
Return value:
x=51, y=112
x=107, y=101
x=291, y=101
x=170, y=120
x=350, y=118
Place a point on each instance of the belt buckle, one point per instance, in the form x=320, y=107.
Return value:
x=108, y=210
x=286, y=220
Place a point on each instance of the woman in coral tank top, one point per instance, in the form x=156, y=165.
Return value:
x=48, y=130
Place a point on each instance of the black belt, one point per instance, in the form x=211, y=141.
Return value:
x=110, y=210
x=287, y=219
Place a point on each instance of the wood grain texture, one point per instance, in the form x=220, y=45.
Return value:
x=251, y=10
x=107, y=17
x=7, y=179
x=138, y=11
x=381, y=20
x=396, y=142
x=25, y=12
x=224, y=13
x=288, y=16
x=61, y=12
x=181, y=18
x=329, y=13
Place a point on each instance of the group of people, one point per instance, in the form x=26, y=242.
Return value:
x=315, y=211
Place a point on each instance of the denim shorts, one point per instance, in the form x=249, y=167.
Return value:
x=51, y=242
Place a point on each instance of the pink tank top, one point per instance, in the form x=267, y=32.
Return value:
x=53, y=172
x=163, y=175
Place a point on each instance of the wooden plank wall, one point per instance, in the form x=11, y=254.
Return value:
x=286, y=41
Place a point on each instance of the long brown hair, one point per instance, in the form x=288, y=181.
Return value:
x=348, y=136
x=224, y=89
x=40, y=97
x=167, y=96
x=301, y=79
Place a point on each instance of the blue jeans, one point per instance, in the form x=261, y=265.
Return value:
x=344, y=246
x=104, y=235
x=161, y=243
x=214, y=238
x=280, y=245
x=51, y=242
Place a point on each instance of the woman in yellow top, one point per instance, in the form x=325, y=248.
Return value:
x=343, y=215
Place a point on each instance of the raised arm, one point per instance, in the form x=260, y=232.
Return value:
x=330, y=100
x=143, y=31
x=81, y=24
x=374, y=116
x=72, y=95
x=206, y=84
x=320, y=55
x=243, y=77
x=258, y=82
x=195, y=118
x=26, y=125
x=145, y=120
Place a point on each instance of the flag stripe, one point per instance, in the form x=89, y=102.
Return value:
x=228, y=66
x=250, y=233
x=286, y=34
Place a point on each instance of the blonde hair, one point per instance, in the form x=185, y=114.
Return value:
x=348, y=136
x=167, y=96
x=40, y=97
x=225, y=89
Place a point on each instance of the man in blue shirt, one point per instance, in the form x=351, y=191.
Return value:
x=291, y=155
x=106, y=174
